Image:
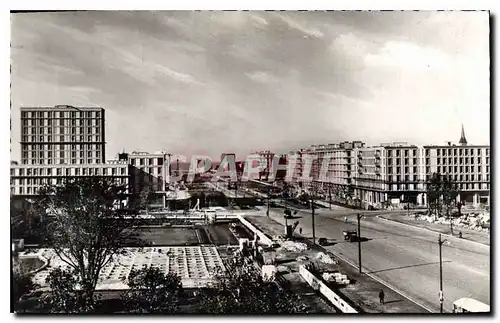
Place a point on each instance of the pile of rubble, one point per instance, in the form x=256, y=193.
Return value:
x=337, y=278
x=294, y=246
x=473, y=221
x=326, y=259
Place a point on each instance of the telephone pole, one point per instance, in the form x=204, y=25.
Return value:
x=268, y=200
x=330, y=196
x=441, y=298
x=359, y=216
x=312, y=212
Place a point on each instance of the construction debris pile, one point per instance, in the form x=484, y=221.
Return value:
x=337, y=278
x=474, y=221
x=294, y=246
x=326, y=259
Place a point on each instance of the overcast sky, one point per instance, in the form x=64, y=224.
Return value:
x=213, y=82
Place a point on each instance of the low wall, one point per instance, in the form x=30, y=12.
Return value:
x=262, y=237
x=317, y=284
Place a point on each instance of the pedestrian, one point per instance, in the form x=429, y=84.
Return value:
x=345, y=219
x=300, y=230
x=460, y=234
x=381, y=296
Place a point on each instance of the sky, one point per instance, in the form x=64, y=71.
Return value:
x=214, y=82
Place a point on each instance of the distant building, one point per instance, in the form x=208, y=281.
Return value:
x=62, y=135
x=231, y=156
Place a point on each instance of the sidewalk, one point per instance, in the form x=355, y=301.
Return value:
x=363, y=292
x=467, y=234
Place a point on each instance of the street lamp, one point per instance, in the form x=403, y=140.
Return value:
x=268, y=199
x=330, y=195
x=359, y=216
x=441, y=298
x=312, y=213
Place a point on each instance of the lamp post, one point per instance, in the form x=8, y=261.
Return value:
x=441, y=298
x=359, y=216
x=312, y=213
x=268, y=199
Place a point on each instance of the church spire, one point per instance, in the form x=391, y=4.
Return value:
x=463, y=141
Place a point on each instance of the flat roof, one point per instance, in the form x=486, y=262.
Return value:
x=61, y=107
x=196, y=265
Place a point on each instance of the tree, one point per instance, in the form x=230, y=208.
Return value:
x=152, y=291
x=241, y=290
x=21, y=284
x=449, y=193
x=88, y=228
x=434, y=191
x=66, y=294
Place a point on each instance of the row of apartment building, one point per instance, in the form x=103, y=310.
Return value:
x=395, y=172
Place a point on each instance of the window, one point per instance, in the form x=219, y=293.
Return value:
x=141, y=161
x=480, y=177
x=122, y=171
x=479, y=169
x=439, y=161
x=439, y=169
x=472, y=177
x=479, y=152
x=77, y=171
x=59, y=171
x=49, y=171
x=466, y=169
x=487, y=160
x=389, y=153
x=389, y=170
x=113, y=171
x=21, y=191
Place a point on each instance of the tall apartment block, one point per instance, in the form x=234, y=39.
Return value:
x=62, y=135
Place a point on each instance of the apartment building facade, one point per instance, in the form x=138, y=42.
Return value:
x=149, y=171
x=395, y=173
x=468, y=165
x=26, y=180
x=62, y=135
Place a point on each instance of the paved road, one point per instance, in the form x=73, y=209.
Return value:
x=405, y=257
